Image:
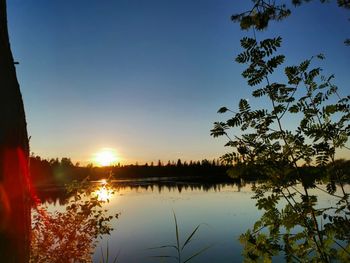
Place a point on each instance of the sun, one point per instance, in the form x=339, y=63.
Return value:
x=106, y=157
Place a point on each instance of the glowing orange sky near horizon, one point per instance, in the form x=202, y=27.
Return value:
x=106, y=157
x=92, y=79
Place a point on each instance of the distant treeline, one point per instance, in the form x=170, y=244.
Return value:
x=60, y=172
x=54, y=171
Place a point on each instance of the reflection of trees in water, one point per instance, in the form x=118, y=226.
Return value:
x=179, y=187
x=53, y=195
x=174, y=184
x=58, y=195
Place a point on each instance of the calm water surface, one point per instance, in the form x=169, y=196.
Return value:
x=146, y=221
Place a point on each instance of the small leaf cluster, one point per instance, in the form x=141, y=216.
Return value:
x=261, y=14
x=258, y=55
x=264, y=11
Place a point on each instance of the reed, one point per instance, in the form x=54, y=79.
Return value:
x=180, y=247
x=106, y=258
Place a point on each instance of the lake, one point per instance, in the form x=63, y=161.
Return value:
x=146, y=220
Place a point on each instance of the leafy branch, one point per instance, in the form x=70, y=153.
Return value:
x=286, y=158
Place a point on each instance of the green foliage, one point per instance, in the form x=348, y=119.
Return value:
x=260, y=15
x=264, y=11
x=292, y=223
x=70, y=235
x=255, y=53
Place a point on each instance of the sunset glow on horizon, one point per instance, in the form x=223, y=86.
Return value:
x=106, y=157
x=146, y=80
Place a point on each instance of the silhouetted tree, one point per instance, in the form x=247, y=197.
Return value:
x=179, y=163
x=66, y=162
x=14, y=154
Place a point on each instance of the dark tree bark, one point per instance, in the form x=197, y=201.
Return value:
x=15, y=216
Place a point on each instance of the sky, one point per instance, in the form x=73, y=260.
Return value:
x=146, y=78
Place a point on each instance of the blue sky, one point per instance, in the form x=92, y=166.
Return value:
x=147, y=77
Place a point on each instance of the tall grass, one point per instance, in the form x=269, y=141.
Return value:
x=106, y=258
x=180, y=247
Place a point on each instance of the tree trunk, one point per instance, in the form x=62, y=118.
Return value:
x=15, y=219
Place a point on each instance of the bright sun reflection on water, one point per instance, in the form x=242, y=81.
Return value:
x=104, y=192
